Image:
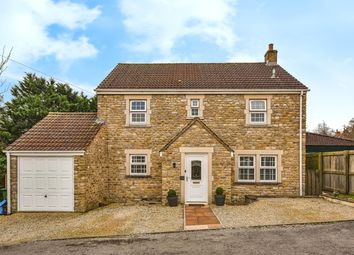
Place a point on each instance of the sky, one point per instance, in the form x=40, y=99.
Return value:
x=79, y=42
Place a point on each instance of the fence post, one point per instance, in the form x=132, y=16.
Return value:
x=320, y=167
x=346, y=171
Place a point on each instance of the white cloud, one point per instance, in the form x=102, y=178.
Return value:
x=157, y=25
x=243, y=57
x=25, y=27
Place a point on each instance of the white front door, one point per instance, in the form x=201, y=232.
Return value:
x=46, y=184
x=196, y=178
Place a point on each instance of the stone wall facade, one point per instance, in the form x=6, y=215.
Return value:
x=100, y=175
x=90, y=175
x=225, y=115
x=13, y=183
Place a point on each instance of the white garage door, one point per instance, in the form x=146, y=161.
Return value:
x=46, y=184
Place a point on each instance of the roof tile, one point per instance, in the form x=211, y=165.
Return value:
x=199, y=76
x=69, y=131
x=318, y=139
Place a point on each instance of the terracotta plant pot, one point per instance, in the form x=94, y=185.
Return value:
x=172, y=201
x=220, y=200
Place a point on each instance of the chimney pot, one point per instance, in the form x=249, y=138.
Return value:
x=270, y=46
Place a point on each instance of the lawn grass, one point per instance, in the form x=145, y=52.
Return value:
x=350, y=196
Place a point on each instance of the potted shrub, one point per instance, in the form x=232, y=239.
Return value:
x=219, y=196
x=172, y=197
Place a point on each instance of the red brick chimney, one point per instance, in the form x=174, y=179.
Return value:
x=271, y=56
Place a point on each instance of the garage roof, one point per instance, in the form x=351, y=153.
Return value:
x=66, y=131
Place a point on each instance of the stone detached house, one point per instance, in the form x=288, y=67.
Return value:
x=191, y=127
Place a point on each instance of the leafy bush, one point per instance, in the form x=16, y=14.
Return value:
x=171, y=193
x=219, y=191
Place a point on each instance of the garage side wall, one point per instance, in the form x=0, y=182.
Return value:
x=90, y=174
x=13, y=182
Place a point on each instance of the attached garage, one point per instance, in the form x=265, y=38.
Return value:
x=46, y=184
x=58, y=165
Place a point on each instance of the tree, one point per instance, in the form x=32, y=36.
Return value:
x=324, y=129
x=5, y=57
x=348, y=130
x=32, y=99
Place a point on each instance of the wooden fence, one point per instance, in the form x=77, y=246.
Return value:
x=330, y=171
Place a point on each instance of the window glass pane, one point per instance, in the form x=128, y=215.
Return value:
x=138, y=169
x=195, y=103
x=268, y=174
x=268, y=161
x=246, y=161
x=138, y=106
x=195, y=111
x=138, y=159
x=258, y=117
x=196, y=167
x=246, y=174
x=138, y=117
x=258, y=105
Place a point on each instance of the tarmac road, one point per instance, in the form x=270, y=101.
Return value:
x=331, y=238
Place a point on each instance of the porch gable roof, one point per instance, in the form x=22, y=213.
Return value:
x=203, y=125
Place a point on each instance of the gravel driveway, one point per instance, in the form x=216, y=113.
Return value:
x=273, y=211
x=115, y=219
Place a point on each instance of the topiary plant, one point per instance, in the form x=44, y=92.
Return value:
x=171, y=193
x=219, y=191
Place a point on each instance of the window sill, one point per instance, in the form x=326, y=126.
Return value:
x=257, y=183
x=137, y=126
x=190, y=118
x=259, y=125
x=138, y=176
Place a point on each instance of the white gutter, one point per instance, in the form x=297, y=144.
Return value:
x=196, y=91
x=8, y=183
x=300, y=142
x=46, y=153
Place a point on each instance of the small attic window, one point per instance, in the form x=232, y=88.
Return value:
x=195, y=106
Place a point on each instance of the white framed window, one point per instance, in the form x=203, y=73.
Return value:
x=138, y=164
x=258, y=111
x=138, y=112
x=258, y=166
x=246, y=168
x=268, y=169
x=195, y=107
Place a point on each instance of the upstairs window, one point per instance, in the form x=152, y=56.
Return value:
x=195, y=107
x=258, y=111
x=138, y=112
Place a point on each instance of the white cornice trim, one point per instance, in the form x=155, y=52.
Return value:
x=197, y=91
x=45, y=153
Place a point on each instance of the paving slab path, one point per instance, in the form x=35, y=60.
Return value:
x=200, y=217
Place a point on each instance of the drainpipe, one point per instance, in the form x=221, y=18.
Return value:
x=8, y=183
x=300, y=141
